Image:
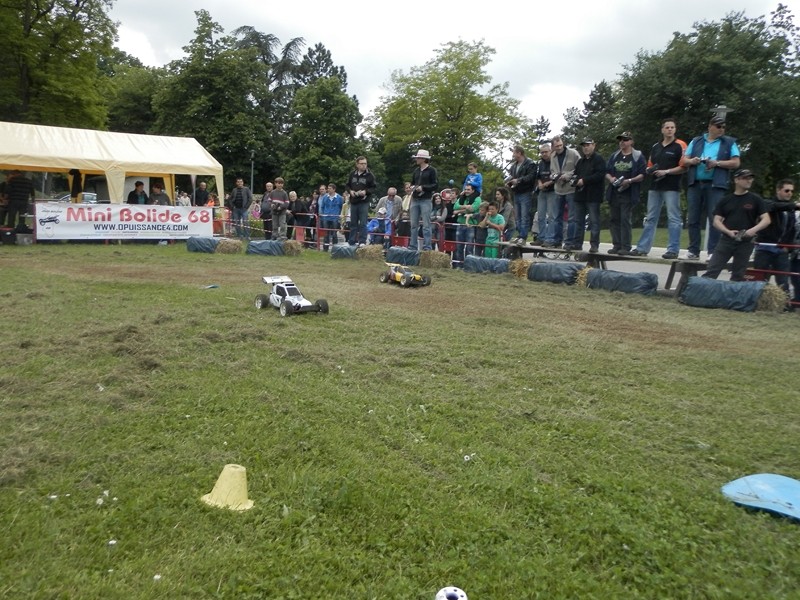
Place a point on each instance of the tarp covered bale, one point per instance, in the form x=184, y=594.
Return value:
x=711, y=293
x=480, y=264
x=343, y=251
x=615, y=281
x=555, y=272
x=202, y=244
x=402, y=256
x=265, y=247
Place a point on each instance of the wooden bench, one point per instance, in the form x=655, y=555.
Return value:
x=686, y=268
x=596, y=260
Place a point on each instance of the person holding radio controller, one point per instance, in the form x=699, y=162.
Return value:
x=710, y=159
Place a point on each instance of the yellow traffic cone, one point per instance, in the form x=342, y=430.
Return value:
x=230, y=491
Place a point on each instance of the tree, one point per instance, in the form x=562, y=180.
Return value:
x=130, y=104
x=748, y=64
x=49, y=73
x=449, y=107
x=211, y=95
x=320, y=145
x=318, y=63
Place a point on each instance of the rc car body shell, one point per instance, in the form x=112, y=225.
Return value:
x=286, y=297
x=401, y=274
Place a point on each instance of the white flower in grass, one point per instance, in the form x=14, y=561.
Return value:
x=100, y=388
x=469, y=457
x=112, y=542
x=99, y=502
x=157, y=577
x=105, y=493
x=52, y=497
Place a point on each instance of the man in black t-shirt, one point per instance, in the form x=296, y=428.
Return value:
x=665, y=170
x=738, y=217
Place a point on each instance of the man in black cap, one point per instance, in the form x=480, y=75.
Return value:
x=589, y=175
x=709, y=158
x=625, y=171
x=738, y=217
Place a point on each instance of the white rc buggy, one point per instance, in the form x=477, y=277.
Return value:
x=287, y=298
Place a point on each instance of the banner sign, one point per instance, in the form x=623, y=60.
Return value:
x=61, y=221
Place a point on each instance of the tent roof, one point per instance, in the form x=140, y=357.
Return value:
x=45, y=148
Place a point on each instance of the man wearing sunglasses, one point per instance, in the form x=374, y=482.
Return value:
x=710, y=159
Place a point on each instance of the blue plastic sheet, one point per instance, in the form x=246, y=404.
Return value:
x=402, y=256
x=711, y=293
x=343, y=251
x=201, y=244
x=555, y=272
x=616, y=281
x=265, y=247
x=480, y=264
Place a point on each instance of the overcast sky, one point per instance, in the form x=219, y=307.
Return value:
x=551, y=53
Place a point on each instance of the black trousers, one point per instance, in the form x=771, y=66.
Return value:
x=726, y=248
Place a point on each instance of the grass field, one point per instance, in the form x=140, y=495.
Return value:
x=517, y=440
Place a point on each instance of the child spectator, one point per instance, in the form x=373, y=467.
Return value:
x=404, y=227
x=479, y=228
x=376, y=227
x=438, y=216
x=494, y=224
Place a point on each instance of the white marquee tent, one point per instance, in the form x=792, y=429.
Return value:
x=115, y=155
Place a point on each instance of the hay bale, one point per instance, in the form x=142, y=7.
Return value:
x=228, y=246
x=432, y=259
x=772, y=299
x=371, y=252
x=519, y=268
x=292, y=248
x=583, y=277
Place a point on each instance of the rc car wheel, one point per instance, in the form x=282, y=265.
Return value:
x=286, y=308
x=405, y=280
x=426, y=280
x=322, y=306
x=262, y=301
x=384, y=276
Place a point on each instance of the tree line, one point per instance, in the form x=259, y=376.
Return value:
x=283, y=108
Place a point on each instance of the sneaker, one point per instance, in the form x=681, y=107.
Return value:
x=520, y=241
x=593, y=249
x=670, y=255
x=623, y=252
x=548, y=245
x=692, y=256
x=614, y=251
x=637, y=252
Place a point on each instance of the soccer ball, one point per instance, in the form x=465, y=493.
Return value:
x=451, y=593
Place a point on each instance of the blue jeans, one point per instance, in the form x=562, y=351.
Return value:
x=581, y=210
x=465, y=235
x=572, y=228
x=699, y=196
x=329, y=229
x=655, y=198
x=542, y=216
x=522, y=204
x=555, y=214
x=359, y=213
x=241, y=222
x=424, y=206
